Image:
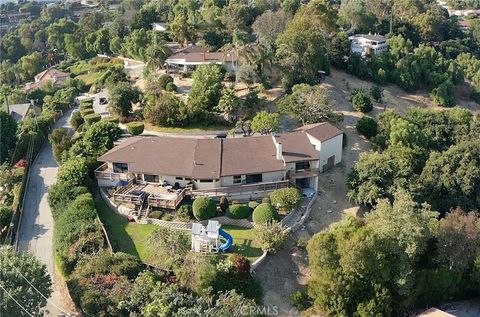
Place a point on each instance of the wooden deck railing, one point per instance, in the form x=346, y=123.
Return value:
x=104, y=173
x=241, y=189
x=167, y=203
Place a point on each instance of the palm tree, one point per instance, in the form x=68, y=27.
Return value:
x=157, y=53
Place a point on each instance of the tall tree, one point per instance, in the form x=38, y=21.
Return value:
x=19, y=272
x=8, y=129
x=122, y=95
x=206, y=89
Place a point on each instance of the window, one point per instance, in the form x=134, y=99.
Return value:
x=237, y=179
x=206, y=180
x=120, y=167
x=299, y=166
x=151, y=178
x=254, y=178
x=179, y=178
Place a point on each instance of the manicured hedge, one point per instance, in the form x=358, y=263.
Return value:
x=135, y=128
x=203, y=208
x=171, y=87
x=85, y=106
x=155, y=214
x=86, y=112
x=238, y=211
x=265, y=213
x=92, y=118
x=76, y=120
x=114, y=119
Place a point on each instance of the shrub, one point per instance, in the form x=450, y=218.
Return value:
x=377, y=93
x=235, y=202
x=203, y=208
x=135, y=128
x=475, y=96
x=74, y=172
x=361, y=101
x=270, y=235
x=86, y=112
x=155, y=214
x=92, y=118
x=253, y=204
x=114, y=119
x=238, y=211
x=85, y=106
x=239, y=263
x=367, y=126
x=265, y=213
x=171, y=87
x=164, y=80
x=444, y=94
x=229, y=76
x=5, y=216
x=285, y=198
x=223, y=204
x=61, y=194
x=76, y=120
x=184, y=212
x=86, y=103
x=301, y=300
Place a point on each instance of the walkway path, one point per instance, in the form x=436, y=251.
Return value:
x=35, y=234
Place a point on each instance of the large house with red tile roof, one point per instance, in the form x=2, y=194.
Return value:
x=192, y=56
x=54, y=76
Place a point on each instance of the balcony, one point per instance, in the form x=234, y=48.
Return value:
x=107, y=177
x=304, y=173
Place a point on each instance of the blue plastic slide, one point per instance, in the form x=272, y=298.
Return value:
x=224, y=247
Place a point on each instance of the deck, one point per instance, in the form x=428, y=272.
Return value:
x=153, y=195
x=242, y=189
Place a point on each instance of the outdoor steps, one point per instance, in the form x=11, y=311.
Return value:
x=143, y=208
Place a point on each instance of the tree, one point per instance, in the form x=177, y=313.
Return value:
x=100, y=137
x=285, y=198
x=5, y=216
x=266, y=123
x=367, y=126
x=271, y=235
x=60, y=142
x=57, y=31
x=237, y=16
x=74, y=47
x=206, y=89
x=8, y=139
x=245, y=126
x=32, y=64
x=452, y=179
x=229, y=102
x=74, y=171
x=444, y=94
x=354, y=13
x=268, y=26
x=17, y=269
x=309, y=104
x=76, y=120
x=247, y=74
x=157, y=52
x=361, y=101
x=458, y=238
x=122, y=96
x=165, y=109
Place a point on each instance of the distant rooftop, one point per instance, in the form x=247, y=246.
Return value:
x=19, y=111
x=371, y=37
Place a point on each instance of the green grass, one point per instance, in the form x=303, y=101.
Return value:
x=244, y=242
x=128, y=237
x=131, y=237
x=91, y=77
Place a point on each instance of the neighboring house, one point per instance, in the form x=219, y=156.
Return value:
x=190, y=57
x=55, y=76
x=19, y=111
x=368, y=44
x=240, y=168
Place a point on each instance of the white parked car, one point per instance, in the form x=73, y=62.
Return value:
x=308, y=192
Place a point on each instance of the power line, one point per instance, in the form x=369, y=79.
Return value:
x=51, y=302
x=16, y=302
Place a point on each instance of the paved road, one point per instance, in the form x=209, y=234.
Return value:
x=36, y=230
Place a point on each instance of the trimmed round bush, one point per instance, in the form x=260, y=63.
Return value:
x=203, y=208
x=85, y=106
x=171, y=87
x=367, y=126
x=265, y=213
x=253, y=204
x=86, y=112
x=92, y=118
x=114, y=119
x=135, y=128
x=155, y=214
x=238, y=211
x=164, y=80
x=87, y=103
x=362, y=102
x=285, y=198
x=76, y=120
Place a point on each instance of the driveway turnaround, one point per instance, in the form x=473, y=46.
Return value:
x=35, y=234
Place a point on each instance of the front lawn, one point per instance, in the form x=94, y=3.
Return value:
x=128, y=237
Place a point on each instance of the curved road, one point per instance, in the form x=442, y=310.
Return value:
x=35, y=234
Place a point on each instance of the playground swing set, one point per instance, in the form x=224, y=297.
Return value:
x=207, y=239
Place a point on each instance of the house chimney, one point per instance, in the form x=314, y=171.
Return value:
x=278, y=146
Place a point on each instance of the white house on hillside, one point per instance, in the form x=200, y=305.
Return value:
x=368, y=44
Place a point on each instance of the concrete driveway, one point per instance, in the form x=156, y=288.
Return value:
x=35, y=234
